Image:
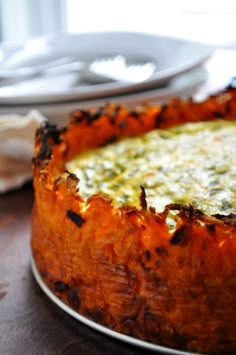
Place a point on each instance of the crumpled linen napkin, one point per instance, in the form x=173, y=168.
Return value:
x=17, y=133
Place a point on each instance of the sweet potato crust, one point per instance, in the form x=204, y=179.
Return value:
x=123, y=267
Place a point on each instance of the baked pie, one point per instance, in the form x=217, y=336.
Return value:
x=134, y=220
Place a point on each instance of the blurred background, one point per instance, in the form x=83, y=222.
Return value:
x=209, y=21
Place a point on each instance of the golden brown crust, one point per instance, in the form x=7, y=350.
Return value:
x=123, y=267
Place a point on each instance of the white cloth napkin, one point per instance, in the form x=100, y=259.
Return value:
x=16, y=148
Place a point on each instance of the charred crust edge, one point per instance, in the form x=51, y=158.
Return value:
x=143, y=201
x=49, y=135
x=75, y=217
x=227, y=219
x=180, y=236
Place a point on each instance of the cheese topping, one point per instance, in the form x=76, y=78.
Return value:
x=192, y=163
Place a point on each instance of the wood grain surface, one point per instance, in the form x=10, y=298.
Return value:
x=30, y=324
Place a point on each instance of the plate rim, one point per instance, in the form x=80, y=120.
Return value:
x=100, y=328
x=154, y=94
x=115, y=88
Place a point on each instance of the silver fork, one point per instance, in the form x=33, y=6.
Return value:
x=52, y=68
x=117, y=69
x=101, y=70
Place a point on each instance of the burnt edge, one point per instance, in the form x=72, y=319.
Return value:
x=190, y=213
x=49, y=135
x=180, y=236
x=227, y=219
x=143, y=201
x=75, y=217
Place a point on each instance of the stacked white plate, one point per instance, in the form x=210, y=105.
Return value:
x=178, y=71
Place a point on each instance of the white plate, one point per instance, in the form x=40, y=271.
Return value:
x=101, y=328
x=171, y=56
x=184, y=85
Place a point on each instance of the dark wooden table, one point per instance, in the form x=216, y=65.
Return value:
x=30, y=323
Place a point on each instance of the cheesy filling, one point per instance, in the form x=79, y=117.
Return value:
x=192, y=163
